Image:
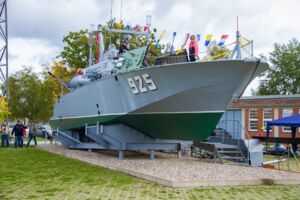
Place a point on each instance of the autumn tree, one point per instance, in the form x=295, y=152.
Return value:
x=283, y=77
x=3, y=109
x=61, y=71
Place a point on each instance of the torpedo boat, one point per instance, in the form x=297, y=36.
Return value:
x=172, y=99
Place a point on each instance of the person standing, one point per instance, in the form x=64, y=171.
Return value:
x=18, y=131
x=32, y=134
x=4, y=135
x=124, y=46
x=193, y=49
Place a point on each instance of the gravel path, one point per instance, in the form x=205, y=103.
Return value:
x=169, y=167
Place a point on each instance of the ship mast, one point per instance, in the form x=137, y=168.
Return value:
x=237, y=48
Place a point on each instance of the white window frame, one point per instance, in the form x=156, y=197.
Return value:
x=253, y=119
x=286, y=129
x=265, y=120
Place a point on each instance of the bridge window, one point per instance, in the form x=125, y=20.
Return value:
x=285, y=113
x=252, y=119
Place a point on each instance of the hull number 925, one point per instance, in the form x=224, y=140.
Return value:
x=141, y=84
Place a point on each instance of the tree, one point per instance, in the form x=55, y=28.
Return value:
x=3, y=109
x=76, y=50
x=62, y=72
x=283, y=77
x=29, y=98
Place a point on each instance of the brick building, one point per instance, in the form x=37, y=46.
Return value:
x=248, y=116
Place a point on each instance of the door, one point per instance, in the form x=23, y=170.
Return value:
x=231, y=122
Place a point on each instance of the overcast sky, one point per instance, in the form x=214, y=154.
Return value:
x=36, y=27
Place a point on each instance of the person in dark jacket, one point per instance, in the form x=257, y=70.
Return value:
x=124, y=46
x=32, y=134
x=18, y=131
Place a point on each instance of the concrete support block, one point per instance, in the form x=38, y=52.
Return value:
x=152, y=154
x=179, y=154
x=121, y=155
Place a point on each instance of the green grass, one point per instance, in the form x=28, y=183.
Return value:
x=291, y=164
x=38, y=139
x=33, y=174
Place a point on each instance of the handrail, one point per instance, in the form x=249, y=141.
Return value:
x=245, y=133
x=66, y=135
x=120, y=143
x=103, y=133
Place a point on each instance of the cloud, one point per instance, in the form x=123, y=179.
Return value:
x=52, y=19
x=30, y=52
x=265, y=21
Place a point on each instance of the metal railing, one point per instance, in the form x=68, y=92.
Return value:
x=100, y=132
x=235, y=128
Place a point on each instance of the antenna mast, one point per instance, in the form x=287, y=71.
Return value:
x=237, y=23
x=111, y=20
x=237, y=48
x=121, y=10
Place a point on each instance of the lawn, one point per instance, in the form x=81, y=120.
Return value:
x=38, y=139
x=29, y=173
x=292, y=164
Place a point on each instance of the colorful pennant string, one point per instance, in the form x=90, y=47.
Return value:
x=197, y=38
x=160, y=37
x=174, y=35
x=208, y=39
x=118, y=25
x=182, y=46
x=223, y=40
x=127, y=27
x=137, y=27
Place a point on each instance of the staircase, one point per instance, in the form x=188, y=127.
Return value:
x=231, y=153
x=229, y=145
x=234, y=150
x=232, y=146
x=220, y=151
x=67, y=140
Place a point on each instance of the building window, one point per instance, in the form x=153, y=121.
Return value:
x=285, y=113
x=252, y=119
x=267, y=116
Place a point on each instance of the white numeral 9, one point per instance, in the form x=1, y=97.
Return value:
x=133, y=86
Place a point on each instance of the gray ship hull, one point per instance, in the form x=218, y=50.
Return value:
x=186, y=103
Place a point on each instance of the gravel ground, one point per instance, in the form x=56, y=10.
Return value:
x=169, y=167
